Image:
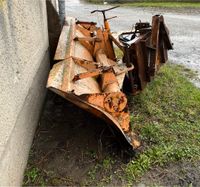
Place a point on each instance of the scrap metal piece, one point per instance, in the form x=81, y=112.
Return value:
x=146, y=48
x=88, y=74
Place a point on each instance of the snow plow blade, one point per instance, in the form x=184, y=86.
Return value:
x=87, y=74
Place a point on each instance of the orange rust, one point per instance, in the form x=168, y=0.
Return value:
x=108, y=46
x=88, y=74
x=87, y=45
x=89, y=65
x=156, y=40
x=135, y=143
x=109, y=82
x=115, y=102
x=134, y=139
x=88, y=39
x=84, y=31
x=96, y=99
x=124, y=120
x=105, y=44
x=121, y=70
x=107, y=26
x=87, y=25
x=112, y=38
x=99, y=45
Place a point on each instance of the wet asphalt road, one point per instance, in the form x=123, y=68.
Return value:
x=184, y=26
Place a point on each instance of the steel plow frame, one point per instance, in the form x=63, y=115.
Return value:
x=88, y=74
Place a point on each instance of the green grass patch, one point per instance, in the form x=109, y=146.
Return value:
x=33, y=175
x=165, y=4
x=167, y=116
x=100, y=174
x=118, y=53
x=155, y=3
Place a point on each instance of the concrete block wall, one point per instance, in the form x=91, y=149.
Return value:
x=24, y=67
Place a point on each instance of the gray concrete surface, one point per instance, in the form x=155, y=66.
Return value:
x=24, y=66
x=61, y=4
x=183, y=23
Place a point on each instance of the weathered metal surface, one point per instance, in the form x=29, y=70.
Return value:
x=65, y=46
x=146, y=48
x=88, y=75
x=83, y=58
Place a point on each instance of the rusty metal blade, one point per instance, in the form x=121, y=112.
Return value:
x=97, y=93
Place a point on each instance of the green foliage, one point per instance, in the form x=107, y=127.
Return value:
x=93, y=172
x=118, y=53
x=167, y=116
x=103, y=168
x=32, y=176
x=154, y=3
x=164, y=4
x=107, y=163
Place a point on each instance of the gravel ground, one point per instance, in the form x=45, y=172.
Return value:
x=183, y=23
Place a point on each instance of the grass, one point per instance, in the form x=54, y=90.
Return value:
x=167, y=117
x=33, y=175
x=118, y=53
x=165, y=4
x=156, y=3
x=104, y=168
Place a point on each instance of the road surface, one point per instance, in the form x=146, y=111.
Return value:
x=184, y=26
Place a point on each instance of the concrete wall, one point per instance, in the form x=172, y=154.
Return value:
x=24, y=66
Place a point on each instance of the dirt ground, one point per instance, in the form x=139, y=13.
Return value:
x=179, y=174
x=69, y=143
x=72, y=147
